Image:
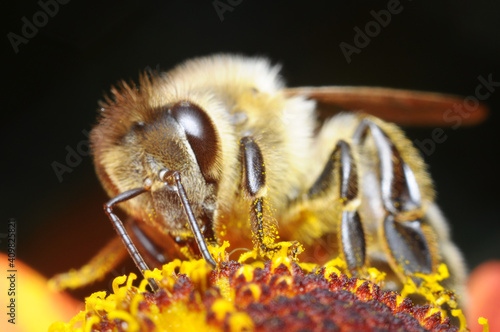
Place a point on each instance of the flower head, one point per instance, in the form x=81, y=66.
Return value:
x=280, y=294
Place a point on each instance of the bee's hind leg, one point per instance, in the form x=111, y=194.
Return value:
x=408, y=249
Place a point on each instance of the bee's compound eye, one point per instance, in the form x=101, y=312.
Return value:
x=201, y=134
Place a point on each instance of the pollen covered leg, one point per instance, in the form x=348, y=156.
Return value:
x=255, y=191
x=403, y=227
x=99, y=266
x=341, y=171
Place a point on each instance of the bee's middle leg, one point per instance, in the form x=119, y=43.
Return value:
x=340, y=174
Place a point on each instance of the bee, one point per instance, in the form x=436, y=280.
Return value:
x=219, y=149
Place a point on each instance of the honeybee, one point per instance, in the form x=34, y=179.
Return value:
x=219, y=149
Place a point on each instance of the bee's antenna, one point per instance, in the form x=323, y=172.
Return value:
x=120, y=229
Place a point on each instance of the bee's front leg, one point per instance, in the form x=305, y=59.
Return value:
x=101, y=264
x=255, y=191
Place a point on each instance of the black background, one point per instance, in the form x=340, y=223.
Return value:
x=51, y=87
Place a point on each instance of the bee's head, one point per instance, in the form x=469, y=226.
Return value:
x=137, y=151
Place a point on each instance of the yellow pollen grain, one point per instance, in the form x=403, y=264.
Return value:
x=117, y=282
x=87, y=326
x=246, y=271
x=458, y=313
x=155, y=274
x=331, y=270
x=142, y=286
x=130, y=279
x=169, y=269
x=399, y=300
x=280, y=260
x=308, y=267
x=484, y=322
x=98, y=301
x=247, y=255
x=224, y=288
x=433, y=311
x=219, y=252
x=376, y=276
x=134, y=304
x=287, y=279
x=132, y=324
x=334, y=266
x=59, y=327
x=256, y=290
x=409, y=288
x=78, y=318
x=222, y=307
x=359, y=282
x=240, y=321
x=197, y=271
